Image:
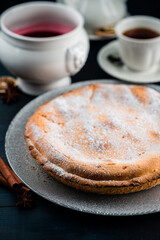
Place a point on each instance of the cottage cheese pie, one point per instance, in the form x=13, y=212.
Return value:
x=100, y=138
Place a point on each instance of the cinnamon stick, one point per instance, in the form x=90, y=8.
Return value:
x=9, y=175
x=3, y=181
x=9, y=179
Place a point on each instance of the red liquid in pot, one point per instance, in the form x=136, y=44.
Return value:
x=44, y=29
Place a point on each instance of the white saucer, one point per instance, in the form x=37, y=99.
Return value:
x=123, y=72
x=94, y=37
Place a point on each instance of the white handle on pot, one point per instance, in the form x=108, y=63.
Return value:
x=75, y=58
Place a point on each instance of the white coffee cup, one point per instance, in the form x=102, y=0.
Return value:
x=139, y=54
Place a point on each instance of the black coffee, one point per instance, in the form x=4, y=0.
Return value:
x=141, y=33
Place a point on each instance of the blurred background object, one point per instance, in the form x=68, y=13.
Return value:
x=135, y=7
x=99, y=14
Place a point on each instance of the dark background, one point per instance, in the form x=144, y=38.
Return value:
x=50, y=221
x=147, y=7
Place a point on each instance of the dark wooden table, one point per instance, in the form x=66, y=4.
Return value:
x=50, y=221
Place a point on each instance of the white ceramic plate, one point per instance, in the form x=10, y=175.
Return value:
x=123, y=72
x=30, y=172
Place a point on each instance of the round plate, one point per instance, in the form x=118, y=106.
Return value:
x=123, y=72
x=35, y=177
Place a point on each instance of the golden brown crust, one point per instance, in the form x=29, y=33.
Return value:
x=103, y=176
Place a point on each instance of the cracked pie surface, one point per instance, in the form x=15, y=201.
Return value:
x=101, y=138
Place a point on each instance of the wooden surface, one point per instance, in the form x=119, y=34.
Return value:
x=50, y=221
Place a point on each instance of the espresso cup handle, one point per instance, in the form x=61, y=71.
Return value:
x=75, y=58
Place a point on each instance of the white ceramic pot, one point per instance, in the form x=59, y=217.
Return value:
x=99, y=13
x=42, y=63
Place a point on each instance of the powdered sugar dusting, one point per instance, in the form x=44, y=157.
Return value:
x=103, y=123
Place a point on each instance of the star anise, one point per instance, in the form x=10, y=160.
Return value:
x=115, y=59
x=25, y=200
